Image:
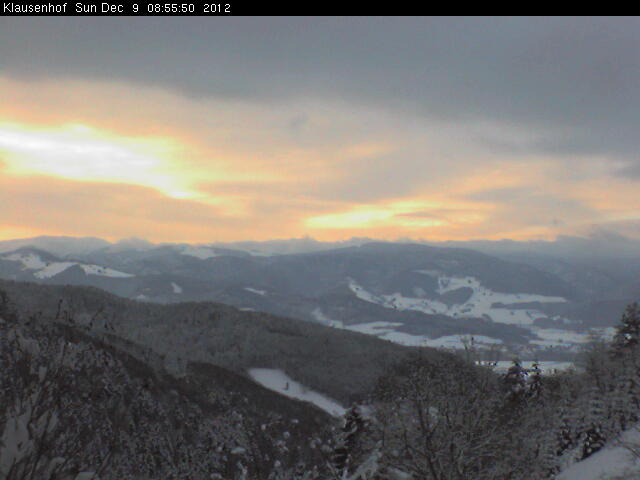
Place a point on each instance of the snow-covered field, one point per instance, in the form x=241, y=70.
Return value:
x=256, y=291
x=322, y=318
x=567, y=338
x=387, y=331
x=551, y=337
x=374, y=328
x=103, y=271
x=480, y=304
x=31, y=261
x=199, y=252
x=459, y=341
x=52, y=269
x=280, y=382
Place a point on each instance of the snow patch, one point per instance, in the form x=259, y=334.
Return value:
x=610, y=462
x=479, y=305
x=199, y=252
x=280, y=382
x=374, y=328
x=460, y=341
x=259, y=253
x=256, y=291
x=104, y=271
x=29, y=261
x=53, y=269
x=446, y=341
x=388, y=331
x=322, y=318
x=557, y=337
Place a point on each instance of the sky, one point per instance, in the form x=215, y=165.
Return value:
x=195, y=129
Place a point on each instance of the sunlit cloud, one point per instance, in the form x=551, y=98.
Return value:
x=408, y=214
x=81, y=153
x=116, y=160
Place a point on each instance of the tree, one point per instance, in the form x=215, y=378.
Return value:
x=628, y=332
x=515, y=381
x=41, y=437
x=594, y=436
x=346, y=449
x=437, y=421
x=534, y=390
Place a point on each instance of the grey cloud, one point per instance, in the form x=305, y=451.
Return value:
x=574, y=77
x=631, y=169
x=297, y=123
x=525, y=206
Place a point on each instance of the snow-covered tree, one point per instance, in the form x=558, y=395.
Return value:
x=516, y=377
x=344, y=454
x=628, y=332
x=535, y=384
x=439, y=420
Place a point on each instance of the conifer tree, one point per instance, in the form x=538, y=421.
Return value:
x=353, y=427
x=535, y=381
x=515, y=381
x=594, y=435
x=625, y=371
x=628, y=332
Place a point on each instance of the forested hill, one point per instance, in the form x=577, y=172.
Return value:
x=76, y=406
x=224, y=336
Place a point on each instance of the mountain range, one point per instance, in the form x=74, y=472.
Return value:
x=413, y=294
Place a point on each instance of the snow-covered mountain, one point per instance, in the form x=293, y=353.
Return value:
x=408, y=293
x=43, y=266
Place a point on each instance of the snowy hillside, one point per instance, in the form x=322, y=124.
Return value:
x=614, y=462
x=44, y=269
x=478, y=302
x=280, y=382
x=481, y=302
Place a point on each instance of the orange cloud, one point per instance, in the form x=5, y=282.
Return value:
x=117, y=160
x=45, y=205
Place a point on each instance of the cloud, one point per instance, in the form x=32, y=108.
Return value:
x=533, y=209
x=571, y=79
x=58, y=206
x=432, y=128
x=629, y=169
